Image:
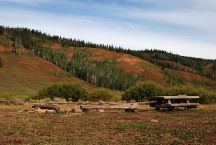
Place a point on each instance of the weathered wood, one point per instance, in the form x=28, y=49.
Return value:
x=184, y=104
x=177, y=97
x=126, y=107
x=47, y=106
x=173, y=102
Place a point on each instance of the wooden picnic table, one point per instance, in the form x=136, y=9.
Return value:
x=174, y=102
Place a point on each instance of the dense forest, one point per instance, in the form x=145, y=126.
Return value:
x=96, y=72
x=103, y=73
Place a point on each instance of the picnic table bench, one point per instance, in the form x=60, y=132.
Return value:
x=174, y=102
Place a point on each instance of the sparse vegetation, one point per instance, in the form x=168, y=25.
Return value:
x=69, y=92
x=179, y=127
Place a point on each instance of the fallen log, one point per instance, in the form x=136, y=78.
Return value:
x=124, y=107
x=47, y=106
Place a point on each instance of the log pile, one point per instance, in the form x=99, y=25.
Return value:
x=94, y=107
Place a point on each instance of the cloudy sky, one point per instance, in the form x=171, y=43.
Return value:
x=186, y=27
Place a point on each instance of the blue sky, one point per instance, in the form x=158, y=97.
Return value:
x=186, y=27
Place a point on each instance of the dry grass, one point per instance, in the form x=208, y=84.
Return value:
x=179, y=127
x=189, y=76
x=26, y=75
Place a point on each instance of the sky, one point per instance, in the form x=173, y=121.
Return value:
x=185, y=27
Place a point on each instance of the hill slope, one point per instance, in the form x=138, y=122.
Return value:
x=24, y=74
x=108, y=66
x=128, y=64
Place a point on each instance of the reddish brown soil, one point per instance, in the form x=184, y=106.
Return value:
x=208, y=67
x=70, y=53
x=127, y=63
x=190, y=76
x=11, y=139
x=28, y=74
x=56, y=46
x=5, y=49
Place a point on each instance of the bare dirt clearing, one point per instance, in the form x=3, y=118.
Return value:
x=146, y=127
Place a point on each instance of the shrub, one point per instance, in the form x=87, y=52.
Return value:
x=180, y=90
x=142, y=91
x=69, y=92
x=101, y=94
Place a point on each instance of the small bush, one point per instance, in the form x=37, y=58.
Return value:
x=69, y=92
x=101, y=94
x=142, y=91
x=180, y=90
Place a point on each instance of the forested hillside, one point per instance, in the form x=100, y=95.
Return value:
x=81, y=62
x=205, y=67
x=108, y=66
x=25, y=75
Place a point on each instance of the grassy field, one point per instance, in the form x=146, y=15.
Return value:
x=146, y=127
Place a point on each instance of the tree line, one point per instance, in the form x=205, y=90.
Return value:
x=168, y=60
x=32, y=39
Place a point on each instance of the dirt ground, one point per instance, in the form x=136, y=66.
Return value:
x=196, y=126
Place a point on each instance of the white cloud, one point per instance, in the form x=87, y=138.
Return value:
x=124, y=33
x=86, y=29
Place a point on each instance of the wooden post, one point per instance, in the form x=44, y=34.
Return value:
x=169, y=102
